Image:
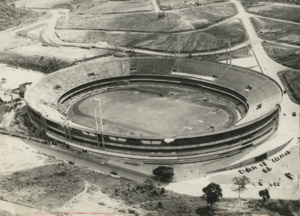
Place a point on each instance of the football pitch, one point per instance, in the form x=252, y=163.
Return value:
x=140, y=112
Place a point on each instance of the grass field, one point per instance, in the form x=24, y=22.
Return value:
x=11, y=16
x=41, y=3
x=284, y=55
x=148, y=22
x=249, y=2
x=188, y=19
x=276, y=30
x=178, y=4
x=103, y=6
x=290, y=80
x=151, y=110
x=278, y=12
x=212, y=39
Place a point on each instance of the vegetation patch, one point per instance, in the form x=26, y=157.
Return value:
x=178, y=4
x=103, y=6
x=287, y=56
x=275, y=30
x=275, y=11
x=51, y=186
x=184, y=20
x=211, y=39
x=251, y=2
x=11, y=16
x=291, y=81
x=43, y=187
x=37, y=63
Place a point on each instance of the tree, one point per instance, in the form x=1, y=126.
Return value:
x=241, y=182
x=163, y=173
x=264, y=194
x=212, y=192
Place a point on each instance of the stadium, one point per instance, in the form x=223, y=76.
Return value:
x=156, y=110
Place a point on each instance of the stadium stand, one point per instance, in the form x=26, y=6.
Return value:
x=251, y=96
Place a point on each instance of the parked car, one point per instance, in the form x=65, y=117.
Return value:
x=275, y=184
x=241, y=171
x=268, y=168
x=294, y=114
x=273, y=160
x=247, y=170
x=250, y=169
x=264, y=163
x=271, y=184
x=261, y=165
x=278, y=184
x=289, y=175
x=260, y=182
x=254, y=167
x=288, y=151
x=264, y=170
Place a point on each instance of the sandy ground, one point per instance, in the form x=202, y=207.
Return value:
x=65, y=53
x=93, y=201
x=248, y=62
x=15, y=155
x=16, y=76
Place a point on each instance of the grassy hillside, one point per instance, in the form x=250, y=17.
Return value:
x=103, y=6
x=287, y=56
x=275, y=30
x=275, y=11
x=211, y=39
x=50, y=187
x=188, y=19
x=177, y=4
x=249, y=2
x=11, y=16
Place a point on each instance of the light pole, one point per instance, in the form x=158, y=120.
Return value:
x=97, y=107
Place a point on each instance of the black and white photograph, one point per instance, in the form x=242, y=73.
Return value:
x=150, y=107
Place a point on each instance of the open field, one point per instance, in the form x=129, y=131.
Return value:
x=287, y=56
x=67, y=188
x=62, y=53
x=212, y=39
x=101, y=7
x=189, y=19
x=153, y=110
x=38, y=63
x=275, y=11
x=290, y=80
x=42, y=4
x=11, y=16
x=246, y=2
x=276, y=30
x=178, y=4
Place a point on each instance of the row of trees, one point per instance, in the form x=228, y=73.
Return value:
x=213, y=191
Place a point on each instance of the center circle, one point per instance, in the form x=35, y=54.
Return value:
x=154, y=110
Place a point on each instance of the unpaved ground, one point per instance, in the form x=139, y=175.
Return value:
x=184, y=20
x=102, y=7
x=275, y=11
x=39, y=182
x=276, y=30
x=177, y=4
x=285, y=55
x=290, y=80
x=211, y=39
x=68, y=189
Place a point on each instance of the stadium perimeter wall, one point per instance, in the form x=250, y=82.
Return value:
x=202, y=147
